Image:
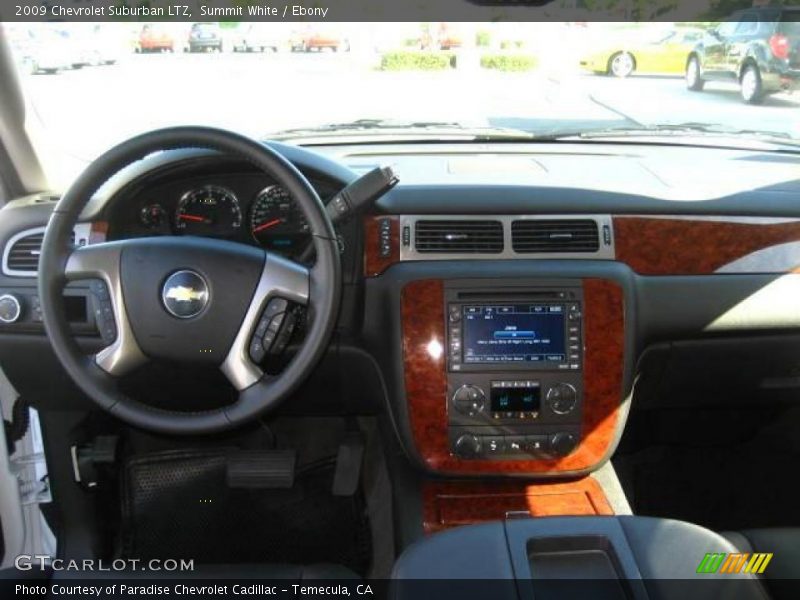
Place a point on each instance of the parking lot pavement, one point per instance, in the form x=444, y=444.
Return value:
x=88, y=110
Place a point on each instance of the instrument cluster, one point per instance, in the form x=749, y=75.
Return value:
x=248, y=210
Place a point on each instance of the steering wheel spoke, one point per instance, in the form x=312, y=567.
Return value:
x=102, y=261
x=189, y=298
x=281, y=279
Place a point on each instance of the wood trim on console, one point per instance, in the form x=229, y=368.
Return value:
x=423, y=322
x=374, y=263
x=686, y=246
x=453, y=503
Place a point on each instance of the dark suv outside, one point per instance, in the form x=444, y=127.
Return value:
x=205, y=36
x=758, y=48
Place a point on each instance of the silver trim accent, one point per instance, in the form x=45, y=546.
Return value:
x=773, y=306
x=280, y=277
x=102, y=261
x=82, y=233
x=410, y=253
x=781, y=258
x=16, y=303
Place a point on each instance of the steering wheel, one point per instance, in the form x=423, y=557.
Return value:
x=189, y=299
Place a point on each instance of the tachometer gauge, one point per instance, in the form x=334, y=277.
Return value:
x=277, y=222
x=210, y=211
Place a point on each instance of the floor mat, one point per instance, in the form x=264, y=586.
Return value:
x=176, y=505
x=721, y=488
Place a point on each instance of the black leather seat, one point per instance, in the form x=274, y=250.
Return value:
x=782, y=575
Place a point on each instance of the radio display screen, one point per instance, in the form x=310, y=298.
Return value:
x=513, y=333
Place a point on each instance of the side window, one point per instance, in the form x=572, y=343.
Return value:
x=748, y=26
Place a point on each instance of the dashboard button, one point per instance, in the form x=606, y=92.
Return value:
x=468, y=446
x=515, y=443
x=494, y=444
x=535, y=443
x=469, y=400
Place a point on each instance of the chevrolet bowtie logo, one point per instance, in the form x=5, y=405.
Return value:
x=185, y=294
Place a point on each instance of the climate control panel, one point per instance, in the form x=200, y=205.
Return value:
x=508, y=418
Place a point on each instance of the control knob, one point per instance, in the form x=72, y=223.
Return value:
x=562, y=443
x=469, y=400
x=468, y=446
x=562, y=398
x=10, y=308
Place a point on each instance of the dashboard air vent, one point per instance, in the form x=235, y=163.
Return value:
x=23, y=255
x=458, y=236
x=554, y=235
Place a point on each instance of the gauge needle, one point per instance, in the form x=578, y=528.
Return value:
x=192, y=218
x=266, y=225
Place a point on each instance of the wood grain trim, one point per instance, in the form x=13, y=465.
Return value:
x=422, y=309
x=454, y=503
x=683, y=246
x=374, y=263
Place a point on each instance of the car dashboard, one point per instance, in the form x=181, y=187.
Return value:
x=499, y=302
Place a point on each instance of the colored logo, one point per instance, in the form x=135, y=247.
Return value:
x=737, y=562
x=185, y=294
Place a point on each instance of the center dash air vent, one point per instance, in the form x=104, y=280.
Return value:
x=459, y=236
x=554, y=235
x=23, y=253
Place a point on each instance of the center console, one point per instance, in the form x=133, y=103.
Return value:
x=514, y=369
x=513, y=376
x=616, y=558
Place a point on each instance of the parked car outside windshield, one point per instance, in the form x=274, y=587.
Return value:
x=401, y=81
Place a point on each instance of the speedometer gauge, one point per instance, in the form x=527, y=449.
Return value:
x=277, y=222
x=210, y=211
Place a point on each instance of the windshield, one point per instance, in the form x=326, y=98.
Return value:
x=90, y=86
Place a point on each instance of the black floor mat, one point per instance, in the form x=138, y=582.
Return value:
x=176, y=505
x=731, y=487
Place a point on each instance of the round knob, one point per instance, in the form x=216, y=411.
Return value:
x=562, y=398
x=469, y=400
x=468, y=446
x=10, y=308
x=562, y=443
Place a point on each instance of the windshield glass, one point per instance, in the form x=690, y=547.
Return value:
x=90, y=86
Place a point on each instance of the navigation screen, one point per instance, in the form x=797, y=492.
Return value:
x=513, y=333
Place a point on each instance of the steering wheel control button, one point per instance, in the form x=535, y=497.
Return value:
x=285, y=334
x=269, y=339
x=257, y=352
x=103, y=311
x=185, y=294
x=10, y=309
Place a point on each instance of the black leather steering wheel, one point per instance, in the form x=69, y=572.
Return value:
x=224, y=285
